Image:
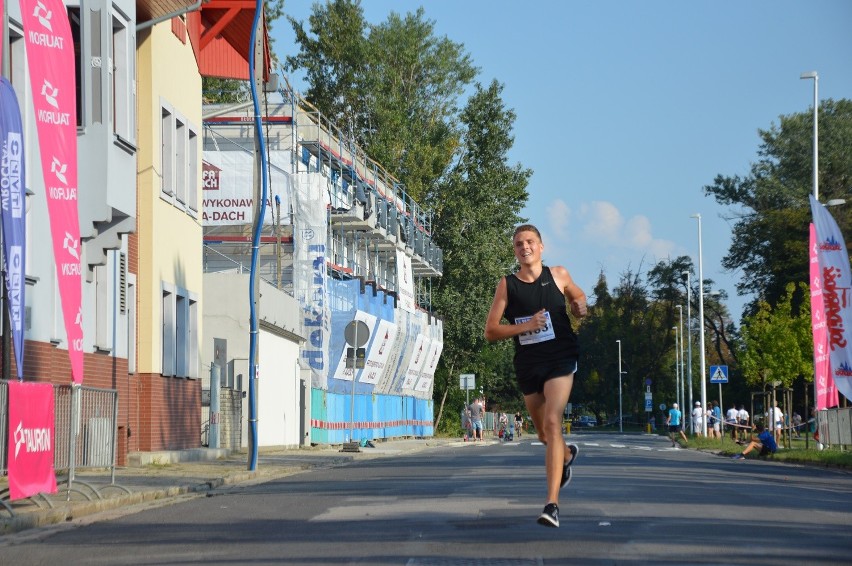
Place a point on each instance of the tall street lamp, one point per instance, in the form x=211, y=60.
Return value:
x=620, y=426
x=682, y=361
x=815, y=174
x=689, y=344
x=701, y=327
x=677, y=365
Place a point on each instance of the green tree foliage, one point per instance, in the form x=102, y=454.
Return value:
x=393, y=87
x=643, y=324
x=476, y=208
x=770, y=206
x=778, y=341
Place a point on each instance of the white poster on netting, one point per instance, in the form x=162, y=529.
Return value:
x=405, y=282
x=427, y=373
x=228, y=188
x=310, y=200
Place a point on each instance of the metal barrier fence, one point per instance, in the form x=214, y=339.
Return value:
x=85, y=428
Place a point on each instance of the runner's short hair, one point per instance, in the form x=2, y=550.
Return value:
x=526, y=228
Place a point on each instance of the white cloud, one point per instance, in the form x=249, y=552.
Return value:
x=558, y=218
x=600, y=224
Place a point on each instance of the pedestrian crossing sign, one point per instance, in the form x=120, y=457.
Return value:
x=718, y=374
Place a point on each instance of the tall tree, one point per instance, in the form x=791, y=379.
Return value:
x=778, y=341
x=415, y=80
x=333, y=55
x=392, y=87
x=770, y=205
x=477, y=208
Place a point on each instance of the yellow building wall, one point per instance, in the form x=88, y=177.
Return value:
x=170, y=239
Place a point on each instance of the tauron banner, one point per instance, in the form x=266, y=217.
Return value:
x=50, y=55
x=826, y=392
x=13, y=198
x=30, y=440
x=836, y=282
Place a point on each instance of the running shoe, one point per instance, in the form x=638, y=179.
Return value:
x=566, y=466
x=737, y=457
x=550, y=516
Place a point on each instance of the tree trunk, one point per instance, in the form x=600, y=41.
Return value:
x=444, y=397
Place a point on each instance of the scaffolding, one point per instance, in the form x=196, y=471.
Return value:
x=371, y=218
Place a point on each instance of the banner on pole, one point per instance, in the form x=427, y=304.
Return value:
x=835, y=280
x=826, y=392
x=50, y=55
x=13, y=199
x=30, y=441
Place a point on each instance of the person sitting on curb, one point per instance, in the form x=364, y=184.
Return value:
x=764, y=440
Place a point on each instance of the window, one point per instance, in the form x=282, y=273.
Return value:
x=131, y=323
x=122, y=72
x=168, y=334
x=192, y=173
x=180, y=161
x=167, y=134
x=180, y=333
x=74, y=20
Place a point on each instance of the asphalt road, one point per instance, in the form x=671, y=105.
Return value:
x=633, y=500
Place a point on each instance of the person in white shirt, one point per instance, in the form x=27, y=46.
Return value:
x=731, y=421
x=778, y=420
x=697, y=419
x=743, y=420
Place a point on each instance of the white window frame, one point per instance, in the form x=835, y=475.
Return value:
x=167, y=152
x=180, y=332
x=122, y=73
x=180, y=161
x=180, y=145
x=167, y=335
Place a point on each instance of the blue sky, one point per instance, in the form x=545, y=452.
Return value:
x=627, y=109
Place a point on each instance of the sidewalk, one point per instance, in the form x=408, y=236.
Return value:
x=92, y=491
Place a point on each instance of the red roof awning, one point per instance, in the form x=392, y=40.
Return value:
x=221, y=35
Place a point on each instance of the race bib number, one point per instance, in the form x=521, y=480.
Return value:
x=536, y=336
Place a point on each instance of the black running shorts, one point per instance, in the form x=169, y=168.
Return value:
x=532, y=378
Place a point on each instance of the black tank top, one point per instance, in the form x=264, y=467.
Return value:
x=524, y=300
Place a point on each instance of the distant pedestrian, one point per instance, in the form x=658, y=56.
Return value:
x=673, y=421
x=797, y=424
x=519, y=424
x=743, y=422
x=731, y=421
x=697, y=420
x=475, y=411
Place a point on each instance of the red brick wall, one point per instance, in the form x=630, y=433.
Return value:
x=170, y=412
x=154, y=412
x=49, y=364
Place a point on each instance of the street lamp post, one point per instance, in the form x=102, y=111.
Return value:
x=620, y=425
x=701, y=328
x=815, y=174
x=813, y=75
x=689, y=346
x=677, y=365
x=682, y=361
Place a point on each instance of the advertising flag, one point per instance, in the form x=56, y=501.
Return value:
x=835, y=280
x=826, y=392
x=50, y=55
x=30, y=440
x=13, y=198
